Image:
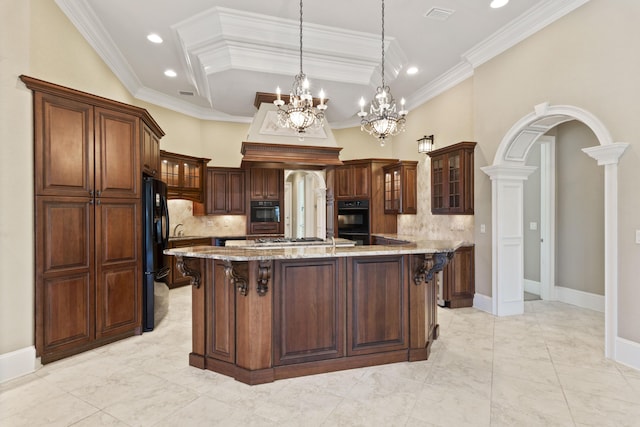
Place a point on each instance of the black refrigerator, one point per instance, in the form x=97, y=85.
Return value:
x=156, y=236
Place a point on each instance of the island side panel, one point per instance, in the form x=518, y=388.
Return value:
x=254, y=334
x=221, y=295
x=377, y=296
x=198, y=316
x=309, y=317
x=423, y=315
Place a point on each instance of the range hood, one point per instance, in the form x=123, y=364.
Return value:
x=270, y=146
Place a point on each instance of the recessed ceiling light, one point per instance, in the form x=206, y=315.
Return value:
x=498, y=3
x=170, y=73
x=412, y=70
x=154, y=38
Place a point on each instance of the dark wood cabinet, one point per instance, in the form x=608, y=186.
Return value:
x=265, y=184
x=175, y=279
x=88, y=222
x=400, y=187
x=458, y=279
x=353, y=180
x=452, y=179
x=308, y=305
x=225, y=193
x=150, y=152
x=377, y=294
x=363, y=179
x=184, y=176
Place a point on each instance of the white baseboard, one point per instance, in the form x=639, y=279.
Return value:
x=628, y=353
x=483, y=302
x=18, y=363
x=532, y=286
x=580, y=298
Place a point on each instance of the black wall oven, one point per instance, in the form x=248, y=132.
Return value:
x=265, y=211
x=353, y=221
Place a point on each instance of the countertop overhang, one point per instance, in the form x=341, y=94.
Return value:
x=409, y=245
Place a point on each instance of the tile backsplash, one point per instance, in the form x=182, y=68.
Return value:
x=181, y=212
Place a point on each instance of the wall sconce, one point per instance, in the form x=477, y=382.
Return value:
x=425, y=144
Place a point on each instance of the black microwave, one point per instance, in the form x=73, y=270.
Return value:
x=265, y=211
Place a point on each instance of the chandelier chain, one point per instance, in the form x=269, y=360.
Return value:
x=382, y=44
x=301, y=37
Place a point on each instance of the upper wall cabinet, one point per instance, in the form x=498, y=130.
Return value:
x=225, y=193
x=400, y=188
x=184, y=175
x=150, y=152
x=452, y=179
x=353, y=180
x=265, y=184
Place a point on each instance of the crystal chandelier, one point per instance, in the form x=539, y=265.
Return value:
x=299, y=114
x=383, y=119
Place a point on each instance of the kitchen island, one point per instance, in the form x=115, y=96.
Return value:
x=262, y=314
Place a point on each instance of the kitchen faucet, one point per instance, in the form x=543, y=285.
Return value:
x=175, y=230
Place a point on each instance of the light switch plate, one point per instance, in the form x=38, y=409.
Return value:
x=533, y=226
x=483, y=229
x=638, y=237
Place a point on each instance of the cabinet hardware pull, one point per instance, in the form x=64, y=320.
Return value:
x=99, y=193
x=90, y=201
x=91, y=193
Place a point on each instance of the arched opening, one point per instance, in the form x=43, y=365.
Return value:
x=508, y=173
x=305, y=204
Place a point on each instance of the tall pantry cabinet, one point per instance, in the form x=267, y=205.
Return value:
x=88, y=219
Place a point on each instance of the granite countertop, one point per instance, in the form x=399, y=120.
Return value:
x=410, y=245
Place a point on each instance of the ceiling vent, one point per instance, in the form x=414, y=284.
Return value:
x=185, y=93
x=439, y=14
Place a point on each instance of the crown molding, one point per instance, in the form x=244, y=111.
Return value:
x=91, y=28
x=519, y=29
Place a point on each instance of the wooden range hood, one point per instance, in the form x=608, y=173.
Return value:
x=284, y=156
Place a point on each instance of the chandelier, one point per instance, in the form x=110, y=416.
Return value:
x=383, y=119
x=299, y=114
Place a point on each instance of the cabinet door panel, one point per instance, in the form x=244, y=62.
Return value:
x=361, y=181
x=150, y=152
x=118, y=245
x=118, y=301
x=64, y=274
x=118, y=145
x=63, y=151
x=65, y=232
x=343, y=181
x=236, y=193
x=67, y=312
x=218, y=192
x=308, y=311
x=377, y=297
x=220, y=302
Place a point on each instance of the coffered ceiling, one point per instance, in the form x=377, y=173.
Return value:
x=224, y=51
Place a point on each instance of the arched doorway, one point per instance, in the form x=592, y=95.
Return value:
x=508, y=173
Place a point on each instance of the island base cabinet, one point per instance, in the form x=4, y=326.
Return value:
x=377, y=318
x=309, y=311
x=259, y=321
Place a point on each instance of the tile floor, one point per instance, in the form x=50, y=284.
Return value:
x=542, y=368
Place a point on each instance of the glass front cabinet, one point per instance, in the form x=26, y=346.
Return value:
x=452, y=179
x=184, y=175
x=400, y=188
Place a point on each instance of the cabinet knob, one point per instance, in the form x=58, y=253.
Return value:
x=91, y=193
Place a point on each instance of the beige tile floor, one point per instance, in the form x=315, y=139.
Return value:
x=542, y=368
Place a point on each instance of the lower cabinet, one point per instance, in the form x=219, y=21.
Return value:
x=263, y=320
x=308, y=316
x=88, y=273
x=458, y=279
x=377, y=295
